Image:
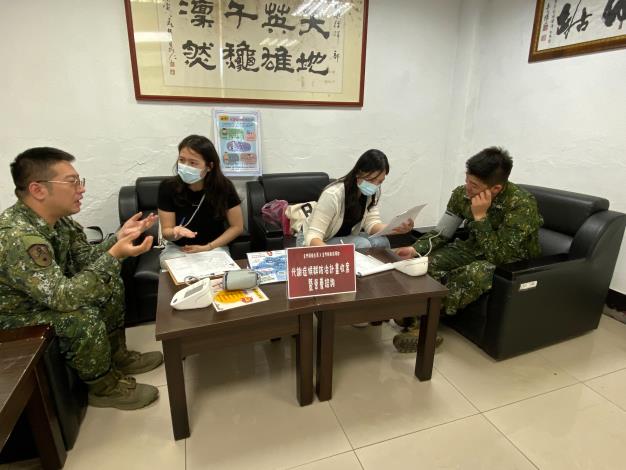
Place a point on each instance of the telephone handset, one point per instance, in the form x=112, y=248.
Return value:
x=448, y=224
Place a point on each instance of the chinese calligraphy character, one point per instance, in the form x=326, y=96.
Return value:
x=276, y=17
x=280, y=61
x=238, y=7
x=566, y=22
x=613, y=11
x=198, y=54
x=240, y=59
x=314, y=23
x=201, y=9
x=307, y=63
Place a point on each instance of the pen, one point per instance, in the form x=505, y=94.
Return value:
x=182, y=222
x=341, y=240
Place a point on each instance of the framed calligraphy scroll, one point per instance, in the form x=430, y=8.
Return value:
x=566, y=28
x=306, y=52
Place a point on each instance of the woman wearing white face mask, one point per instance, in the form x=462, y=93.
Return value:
x=347, y=209
x=199, y=209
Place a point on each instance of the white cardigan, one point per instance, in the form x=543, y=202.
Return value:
x=327, y=217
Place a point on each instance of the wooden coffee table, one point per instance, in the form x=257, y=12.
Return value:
x=379, y=297
x=187, y=332
x=23, y=386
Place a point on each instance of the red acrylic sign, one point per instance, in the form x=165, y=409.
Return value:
x=320, y=270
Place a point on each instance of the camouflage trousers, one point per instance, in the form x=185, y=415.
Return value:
x=466, y=275
x=85, y=335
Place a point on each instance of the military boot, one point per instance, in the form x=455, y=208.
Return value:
x=111, y=391
x=407, y=342
x=131, y=362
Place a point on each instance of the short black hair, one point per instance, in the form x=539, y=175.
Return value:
x=34, y=165
x=492, y=166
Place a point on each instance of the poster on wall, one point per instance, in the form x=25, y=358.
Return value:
x=564, y=28
x=252, y=51
x=238, y=141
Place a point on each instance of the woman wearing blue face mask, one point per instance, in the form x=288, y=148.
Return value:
x=199, y=209
x=347, y=209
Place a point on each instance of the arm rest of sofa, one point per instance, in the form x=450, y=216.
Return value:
x=240, y=246
x=268, y=229
x=532, y=267
x=127, y=204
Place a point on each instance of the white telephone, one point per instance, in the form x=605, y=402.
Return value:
x=198, y=295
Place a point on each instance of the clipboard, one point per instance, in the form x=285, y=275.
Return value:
x=199, y=265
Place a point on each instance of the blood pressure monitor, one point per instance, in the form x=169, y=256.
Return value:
x=198, y=295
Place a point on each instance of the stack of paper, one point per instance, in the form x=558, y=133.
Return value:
x=365, y=265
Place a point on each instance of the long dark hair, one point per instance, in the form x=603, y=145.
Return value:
x=372, y=161
x=216, y=186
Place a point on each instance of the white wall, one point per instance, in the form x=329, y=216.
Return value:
x=443, y=79
x=562, y=120
x=67, y=83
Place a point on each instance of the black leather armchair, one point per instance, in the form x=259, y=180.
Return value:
x=292, y=187
x=560, y=295
x=141, y=274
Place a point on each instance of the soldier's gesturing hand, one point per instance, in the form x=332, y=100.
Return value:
x=480, y=204
x=125, y=248
x=135, y=225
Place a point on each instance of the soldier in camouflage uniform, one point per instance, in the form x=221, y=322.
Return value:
x=503, y=224
x=50, y=274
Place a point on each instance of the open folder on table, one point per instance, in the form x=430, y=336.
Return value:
x=398, y=220
x=200, y=265
x=365, y=265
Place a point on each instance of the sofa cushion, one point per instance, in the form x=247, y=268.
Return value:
x=294, y=187
x=565, y=211
x=553, y=243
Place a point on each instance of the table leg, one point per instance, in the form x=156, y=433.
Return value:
x=325, y=345
x=426, y=341
x=176, y=388
x=44, y=423
x=304, y=359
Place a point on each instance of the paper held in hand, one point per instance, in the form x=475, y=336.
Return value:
x=200, y=265
x=398, y=220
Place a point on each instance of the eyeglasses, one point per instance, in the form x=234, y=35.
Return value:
x=77, y=182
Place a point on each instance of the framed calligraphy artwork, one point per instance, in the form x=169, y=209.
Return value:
x=566, y=28
x=306, y=52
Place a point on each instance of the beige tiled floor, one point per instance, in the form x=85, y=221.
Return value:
x=562, y=407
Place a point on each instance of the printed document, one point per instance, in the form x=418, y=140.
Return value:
x=365, y=265
x=227, y=299
x=200, y=265
x=398, y=220
x=271, y=266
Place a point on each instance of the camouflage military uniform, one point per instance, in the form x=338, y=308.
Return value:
x=508, y=233
x=53, y=275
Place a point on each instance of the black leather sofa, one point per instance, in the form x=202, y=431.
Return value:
x=141, y=274
x=560, y=295
x=294, y=188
